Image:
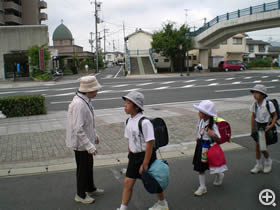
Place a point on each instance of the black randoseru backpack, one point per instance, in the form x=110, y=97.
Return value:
x=160, y=130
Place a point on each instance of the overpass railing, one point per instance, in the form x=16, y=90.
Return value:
x=266, y=7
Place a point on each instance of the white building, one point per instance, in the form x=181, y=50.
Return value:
x=257, y=49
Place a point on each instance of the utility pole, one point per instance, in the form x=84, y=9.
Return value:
x=97, y=20
x=186, y=14
x=204, y=21
x=91, y=41
x=114, y=46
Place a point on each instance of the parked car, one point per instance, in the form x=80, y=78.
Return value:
x=231, y=65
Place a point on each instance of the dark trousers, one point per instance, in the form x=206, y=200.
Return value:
x=85, y=182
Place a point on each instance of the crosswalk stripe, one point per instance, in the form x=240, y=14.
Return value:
x=123, y=85
x=135, y=89
x=247, y=77
x=235, y=83
x=230, y=78
x=187, y=86
x=275, y=80
x=104, y=91
x=189, y=81
x=63, y=94
x=166, y=83
x=264, y=77
x=209, y=80
x=213, y=84
x=257, y=81
x=161, y=88
x=144, y=84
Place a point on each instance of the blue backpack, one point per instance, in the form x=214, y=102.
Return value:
x=276, y=105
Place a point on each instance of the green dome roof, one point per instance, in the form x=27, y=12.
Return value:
x=62, y=33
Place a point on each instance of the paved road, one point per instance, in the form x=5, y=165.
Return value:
x=240, y=189
x=156, y=90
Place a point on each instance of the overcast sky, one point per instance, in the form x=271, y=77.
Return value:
x=78, y=16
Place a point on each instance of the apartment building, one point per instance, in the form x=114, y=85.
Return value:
x=22, y=12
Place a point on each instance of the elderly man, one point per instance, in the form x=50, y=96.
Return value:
x=81, y=137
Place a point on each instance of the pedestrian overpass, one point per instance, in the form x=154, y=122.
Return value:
x=223, y=27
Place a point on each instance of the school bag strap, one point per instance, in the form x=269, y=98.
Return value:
x=268, y=109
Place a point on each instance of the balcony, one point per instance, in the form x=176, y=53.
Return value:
x=43, y=5
x=9, y=5
x=43, y=16
x=13, y=20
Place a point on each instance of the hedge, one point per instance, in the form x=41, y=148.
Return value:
x=18, y=106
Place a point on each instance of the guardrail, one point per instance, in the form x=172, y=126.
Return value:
x=266, y=7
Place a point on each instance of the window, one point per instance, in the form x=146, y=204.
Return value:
x=251, y=48
x=261, y=48
x=237, y=41
x=224, y=42
x=156, y=60
x=194, y=57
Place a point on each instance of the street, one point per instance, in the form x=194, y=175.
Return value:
x=156, y=90
x=240, y=189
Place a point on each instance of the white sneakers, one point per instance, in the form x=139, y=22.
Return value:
x=266, y=167
x=200, y=191
x=97, y=192
x=86, y=200
x=219, y=179
x=158, y=206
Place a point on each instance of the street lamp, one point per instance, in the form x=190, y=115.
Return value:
x=188, y=69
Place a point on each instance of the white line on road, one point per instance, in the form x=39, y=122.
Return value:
x=144, y=84
x=123, y=85
x=166, y=83
x=257, y=81
x=230, y=78
x=189, y=81
x=96, y=99
x=161, y=88
x=35, y=91
x=135, y=89
x=187, y=86
x=104, y=91
x=264, y=77
x=61, y=89
x=240, y=89
x=248, y=78
x=275, y=80
x=209, y=80
x=236, y=83
x=63, y=94
x=213, y=84
x=118, y=72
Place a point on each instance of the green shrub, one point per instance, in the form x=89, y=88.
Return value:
x=18, y=106
x=260, y=62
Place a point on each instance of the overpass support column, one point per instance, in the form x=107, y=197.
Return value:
x=204, y=58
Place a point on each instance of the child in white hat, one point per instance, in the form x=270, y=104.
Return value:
x=207, y=133
x=140, y=147
x=262, y=116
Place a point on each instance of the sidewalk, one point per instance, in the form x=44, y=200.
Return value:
x=37, y=143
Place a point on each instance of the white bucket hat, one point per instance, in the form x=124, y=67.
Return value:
x=206, y=107
x=135, y=97
x=259, y=88
x=89, y=84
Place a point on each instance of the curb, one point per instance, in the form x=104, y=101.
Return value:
x=171, y=151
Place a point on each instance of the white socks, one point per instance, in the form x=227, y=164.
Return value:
x=162, y=203
x=123, y=207
x=259, y=162
x=202, y=180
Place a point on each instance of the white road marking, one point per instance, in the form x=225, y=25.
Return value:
x=108, y=76
x=247, y=77
x=236, y=83
x=123, y=85
x=187, y=86
x=213, y=84
x=118, y=72
x=63, y=94
x=189, y=81
x=240, y=89
x=35, y=91
x=104, y=91
x=161, y=88
x=135, y=89
x=264, y=77
x=209, y=80
x=61, y=89
x=8, y=92
x=165, y=83
x=96, y=99
x=275, y=80
x=144, y=84
x=230, y=78
x=257, y=81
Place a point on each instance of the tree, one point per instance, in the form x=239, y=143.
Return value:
x=33, y=54
x=167, y=42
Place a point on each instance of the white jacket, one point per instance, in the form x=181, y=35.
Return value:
x=80, y=130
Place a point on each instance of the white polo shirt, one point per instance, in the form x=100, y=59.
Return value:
x=202, y=130
x=137, y=141
x=262, y=116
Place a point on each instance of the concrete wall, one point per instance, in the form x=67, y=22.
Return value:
x=20, y=38
x=140, y=41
